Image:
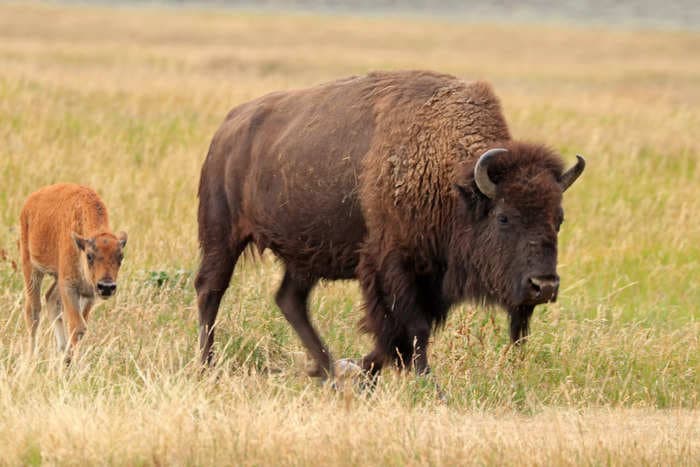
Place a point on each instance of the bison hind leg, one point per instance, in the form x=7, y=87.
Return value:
x=292, y=298
x=213, y=278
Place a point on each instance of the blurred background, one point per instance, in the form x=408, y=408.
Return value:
x=671, y=14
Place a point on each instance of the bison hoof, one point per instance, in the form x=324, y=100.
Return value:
x=347, y=368
x=349, y=374
x=315, y=371
x=309, y=366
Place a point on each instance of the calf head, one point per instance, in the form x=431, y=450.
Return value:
x=101, y=257
x=514, y=212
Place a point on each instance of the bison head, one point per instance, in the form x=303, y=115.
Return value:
x=507, y=226
x=101, y=258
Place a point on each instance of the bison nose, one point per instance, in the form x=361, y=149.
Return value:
x=106, y=289
x=544, y=288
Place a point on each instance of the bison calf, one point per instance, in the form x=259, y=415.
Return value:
x=65, y=233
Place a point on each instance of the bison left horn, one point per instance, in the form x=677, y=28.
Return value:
x=570, y=176
x=481, y=172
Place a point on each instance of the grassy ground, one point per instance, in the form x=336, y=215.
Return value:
x=126, y=101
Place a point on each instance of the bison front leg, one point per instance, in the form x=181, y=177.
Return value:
x=520, y=323
x=393, y=315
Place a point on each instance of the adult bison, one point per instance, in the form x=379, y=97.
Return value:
x=408, y=181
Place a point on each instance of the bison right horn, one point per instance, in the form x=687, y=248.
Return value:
x=481, y=173
x=570, y=176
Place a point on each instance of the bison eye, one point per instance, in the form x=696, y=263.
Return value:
x=90, y=258
x=502, y=219
x=120, y=258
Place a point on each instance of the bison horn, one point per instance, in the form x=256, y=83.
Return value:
x=570, y=176
x=481, y=173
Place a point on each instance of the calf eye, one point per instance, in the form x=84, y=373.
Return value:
x=120, y=258
x=502, y=219
x=90, y=258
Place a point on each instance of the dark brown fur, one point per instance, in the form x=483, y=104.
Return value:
x=373, y=178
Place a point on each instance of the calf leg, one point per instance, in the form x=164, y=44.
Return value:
x=70, y=301
x=32, y=305
x=53, y=303
x=292, y=299
x=86, y=304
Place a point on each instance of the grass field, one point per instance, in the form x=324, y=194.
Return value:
x=126, y=101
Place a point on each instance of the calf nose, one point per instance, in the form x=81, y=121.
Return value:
x=544, y=288
x=106, y=289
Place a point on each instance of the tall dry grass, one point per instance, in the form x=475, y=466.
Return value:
x=126, y=100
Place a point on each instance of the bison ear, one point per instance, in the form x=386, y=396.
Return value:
x=122, y=237
x=79, y=241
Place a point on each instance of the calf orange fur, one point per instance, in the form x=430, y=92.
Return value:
x=65, y=234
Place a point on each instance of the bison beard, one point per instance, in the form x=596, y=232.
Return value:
x=407, y=181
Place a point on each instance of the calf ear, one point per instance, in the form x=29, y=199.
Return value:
x=80, y=242
x=122, y=237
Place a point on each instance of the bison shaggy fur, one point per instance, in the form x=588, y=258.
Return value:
x=408, y=181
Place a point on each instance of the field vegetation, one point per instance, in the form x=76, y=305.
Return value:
x=126, y=100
